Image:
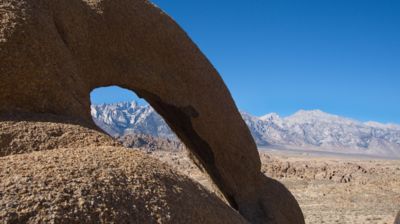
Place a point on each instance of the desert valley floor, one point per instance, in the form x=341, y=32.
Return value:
x=329, y=189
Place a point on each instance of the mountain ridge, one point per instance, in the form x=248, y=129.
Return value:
x=305, y=129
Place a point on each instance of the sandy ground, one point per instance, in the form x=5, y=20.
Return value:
x=329, y=188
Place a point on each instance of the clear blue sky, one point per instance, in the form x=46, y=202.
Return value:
x=340, y=56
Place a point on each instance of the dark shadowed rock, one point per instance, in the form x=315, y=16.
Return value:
x=54, y=53
x=397, y=220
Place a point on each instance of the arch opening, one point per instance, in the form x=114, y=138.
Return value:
x=122, y=114
x=134, y=122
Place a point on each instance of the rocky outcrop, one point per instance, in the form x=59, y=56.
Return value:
x=39, y=132
x=345, y=172
x=54, y=53
x=102, y=185
x=150, y=143
x=87, y=178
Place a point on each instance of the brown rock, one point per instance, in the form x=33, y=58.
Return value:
x=102, y=185
x=18, y=134
x=54, y=53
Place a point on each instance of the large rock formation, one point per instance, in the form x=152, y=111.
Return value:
x=54, y=53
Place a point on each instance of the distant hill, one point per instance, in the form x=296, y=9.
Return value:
x=314, y=129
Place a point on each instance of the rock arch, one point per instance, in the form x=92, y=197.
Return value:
x=53, y=53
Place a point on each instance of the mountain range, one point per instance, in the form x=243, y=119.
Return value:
x=306, y=129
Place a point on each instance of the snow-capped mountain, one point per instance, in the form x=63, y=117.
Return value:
x=312, y=129
x=315, y=129
x=129, y=117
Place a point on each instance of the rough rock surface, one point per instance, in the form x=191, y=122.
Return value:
x=102, y=185
x=54, y=53
x=397, y=221
x=22, y=136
